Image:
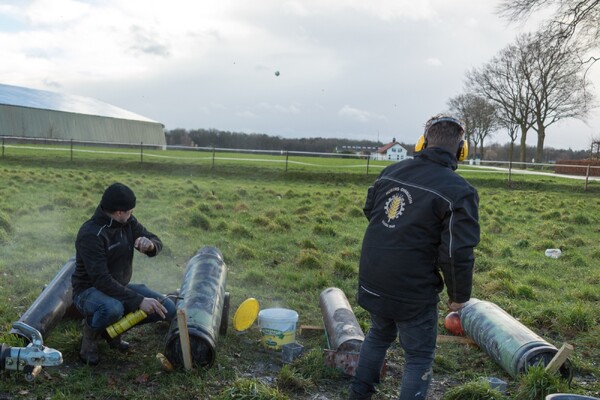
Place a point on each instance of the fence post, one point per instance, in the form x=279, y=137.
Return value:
x=213, y=159
x=587, y=176
x=2, y=146
x=287, y=153
x=368, y=158
x=141, y=152
x=71, y=149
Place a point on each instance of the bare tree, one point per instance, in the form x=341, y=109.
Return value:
x=535, y=82
x=555, y=80
x=479, y=116
x=572, y=19
x=503, y=82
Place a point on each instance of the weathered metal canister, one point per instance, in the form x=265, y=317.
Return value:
x=51, y=305
x=202, y=297
x=344, y=335
x=343, y=331
x=507, y=341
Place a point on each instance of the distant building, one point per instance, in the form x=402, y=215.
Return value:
x=33, y=113
x=358, y=150
x=392, y=151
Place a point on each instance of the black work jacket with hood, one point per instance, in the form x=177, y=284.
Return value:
x=423, y=223
x=104, y=255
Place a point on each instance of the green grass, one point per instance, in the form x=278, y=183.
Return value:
x=285, y=237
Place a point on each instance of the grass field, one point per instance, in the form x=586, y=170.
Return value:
x=286, y=237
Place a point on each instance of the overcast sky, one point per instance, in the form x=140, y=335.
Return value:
x=359, y=69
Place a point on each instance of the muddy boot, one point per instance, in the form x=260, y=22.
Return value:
x=117, y=343
x=89, y=346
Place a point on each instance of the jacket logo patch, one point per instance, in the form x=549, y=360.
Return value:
x=394, y=205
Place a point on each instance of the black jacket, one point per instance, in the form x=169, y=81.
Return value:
x=104, y=255
x=423, y=219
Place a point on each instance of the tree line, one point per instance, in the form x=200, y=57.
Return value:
x=244, y=141
x=259, y=141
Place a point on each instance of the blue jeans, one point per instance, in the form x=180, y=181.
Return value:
x=417, y=338
x=101, y=310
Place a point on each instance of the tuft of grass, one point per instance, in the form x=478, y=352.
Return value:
x=536, y=384
x=312, y=366
x=309, y=259
x=5, y=223
x=324, y=230
x=475, y=390
x=289, y=379
x=197, y=219
x=576, y=319
x=251, y=389
x=245, y=252
x=343, y=269
x=308, y=244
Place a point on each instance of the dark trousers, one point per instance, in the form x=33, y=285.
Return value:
x=417, y=337
x=101, y=310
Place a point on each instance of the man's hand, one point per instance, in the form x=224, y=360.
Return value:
x=151, y=306
x=143, y=244
x=452, y=306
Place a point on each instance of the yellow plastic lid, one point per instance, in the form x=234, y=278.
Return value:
x=246, y=314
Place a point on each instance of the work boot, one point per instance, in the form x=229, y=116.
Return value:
x=117, y=343
x=89, y=345
x=352, y=395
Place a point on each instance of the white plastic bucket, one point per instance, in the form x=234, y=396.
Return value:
x=566, y=396
x=277, y=326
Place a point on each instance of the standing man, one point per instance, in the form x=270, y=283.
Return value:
x=104, y=254
x=423, y=224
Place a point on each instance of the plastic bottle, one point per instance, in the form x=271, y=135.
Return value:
x=125, y=323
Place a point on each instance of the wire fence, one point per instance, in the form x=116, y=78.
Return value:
x=296, y=160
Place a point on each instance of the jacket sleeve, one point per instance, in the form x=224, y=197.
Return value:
x=139, y=230
x=369, y=202
x=92, y=251
x=460, y=236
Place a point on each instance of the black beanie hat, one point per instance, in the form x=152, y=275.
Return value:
x=117, y=197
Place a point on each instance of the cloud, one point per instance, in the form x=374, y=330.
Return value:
x=147, y=42
x=291, y=109
x=434, y=62
x=358, y=115
x=246, y=114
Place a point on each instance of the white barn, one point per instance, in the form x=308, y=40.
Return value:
x=392, y=151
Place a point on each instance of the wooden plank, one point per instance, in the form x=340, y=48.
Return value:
x=455, y=339
x=311, y=329
x=559, y=358
x=184, y=338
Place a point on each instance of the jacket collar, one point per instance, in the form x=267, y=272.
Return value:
x=102, y=218
x=440, y=156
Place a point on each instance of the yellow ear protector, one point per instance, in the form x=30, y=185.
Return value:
x=463, y=147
